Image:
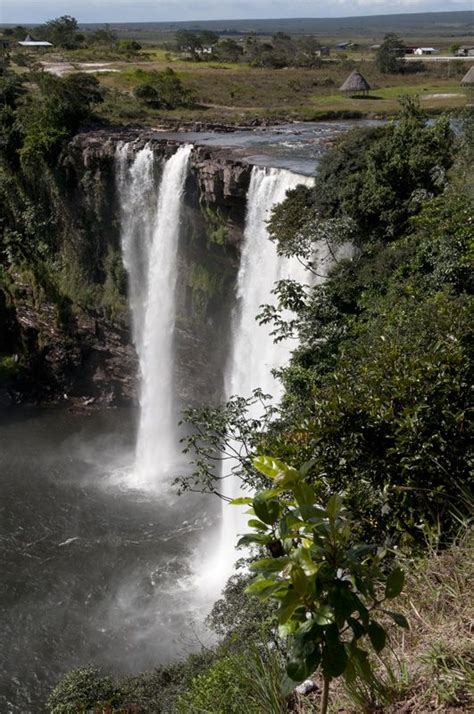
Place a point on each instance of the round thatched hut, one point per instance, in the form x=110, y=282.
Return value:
x=355, y=84
x=468, y=78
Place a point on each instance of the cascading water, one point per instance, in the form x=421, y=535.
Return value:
x=254, y=354
x=150, y=233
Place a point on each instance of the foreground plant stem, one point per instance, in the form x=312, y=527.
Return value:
x=325, y=699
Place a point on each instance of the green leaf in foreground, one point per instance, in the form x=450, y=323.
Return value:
x=395, y=583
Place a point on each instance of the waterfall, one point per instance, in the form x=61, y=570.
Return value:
x=254, y=354
x=150, y=233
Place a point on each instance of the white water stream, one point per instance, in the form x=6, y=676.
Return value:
x=150, y=233
x=254, y=354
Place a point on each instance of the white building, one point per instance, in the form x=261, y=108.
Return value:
x=425, y=51
x=30, y=42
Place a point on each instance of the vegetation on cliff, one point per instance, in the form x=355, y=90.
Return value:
x=377, y=394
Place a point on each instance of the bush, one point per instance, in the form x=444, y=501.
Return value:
x=82, y=690
x=148, y=94
x=245, y=682
x=162, y=89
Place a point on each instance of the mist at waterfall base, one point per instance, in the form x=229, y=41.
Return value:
x=92, y=572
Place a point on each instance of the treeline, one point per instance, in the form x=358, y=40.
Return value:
x=279, y=51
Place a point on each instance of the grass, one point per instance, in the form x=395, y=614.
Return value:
x=430, y=668
x=237, y=93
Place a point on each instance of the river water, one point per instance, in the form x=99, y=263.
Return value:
x=297, y=146
x=92, y=572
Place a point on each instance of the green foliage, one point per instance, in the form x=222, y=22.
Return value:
x=61, y=32
x=239, y=618
x=163, y=90
x=328, y=589
x=114, y=293
x=81, y=691
x=241, y=682
x=19, y=32
x=129, y=47
x=103, y=36
x=218, y=432
x=228, y=50
x=389, y=58
x=48, y=119
x=8, y=367
x=379, y=178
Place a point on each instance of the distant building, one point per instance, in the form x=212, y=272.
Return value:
x=425, y=51
x=342, y=45
x=30, y=42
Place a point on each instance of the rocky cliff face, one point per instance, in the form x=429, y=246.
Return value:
x=77, y=345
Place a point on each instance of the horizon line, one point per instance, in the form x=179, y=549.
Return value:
x=251, y=19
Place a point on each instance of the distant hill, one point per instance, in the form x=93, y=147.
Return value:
x=441, y=24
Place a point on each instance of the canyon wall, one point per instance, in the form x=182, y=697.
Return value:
x=67, y=332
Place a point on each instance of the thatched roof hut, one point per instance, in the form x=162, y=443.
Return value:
x=355, y=84
x=468, y=77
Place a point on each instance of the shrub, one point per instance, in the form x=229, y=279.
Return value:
x=82, y=690
x=331, y=592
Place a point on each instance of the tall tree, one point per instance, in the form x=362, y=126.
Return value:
x=61, y=31
x=390, y=55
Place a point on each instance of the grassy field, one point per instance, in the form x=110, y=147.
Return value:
x=237, y=93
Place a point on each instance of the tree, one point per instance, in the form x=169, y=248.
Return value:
x=19, y=32
x=163, y=89
x=148, y=94
x=389, y=58
x=129, y=47
x=308, y=52
x=374, y=176
x=330, y=591
x=208, y=38
x=61, y=32
x=229, y=50
x=188, y=42
x=48, y=119
x=103, y=36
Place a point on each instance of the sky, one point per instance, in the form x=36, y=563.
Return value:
x=36, y=11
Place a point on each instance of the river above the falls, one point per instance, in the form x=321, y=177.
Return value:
x=92, y=572
x=296, y=146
